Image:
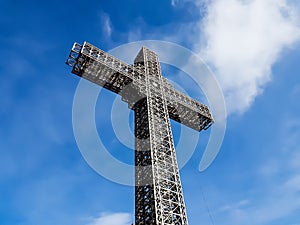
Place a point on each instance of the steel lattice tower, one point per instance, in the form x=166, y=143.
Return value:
x=158, y=192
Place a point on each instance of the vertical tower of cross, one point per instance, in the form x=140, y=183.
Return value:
x=158, y=191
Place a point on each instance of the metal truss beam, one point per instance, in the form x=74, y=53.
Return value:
x=107, y=71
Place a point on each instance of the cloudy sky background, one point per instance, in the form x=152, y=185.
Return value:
x=251, y=46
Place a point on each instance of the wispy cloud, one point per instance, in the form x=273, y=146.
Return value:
x=277, y=197
x=278, y=200
x=112, y=219
x=242, y=40
x=264, y=212
x=106, y=25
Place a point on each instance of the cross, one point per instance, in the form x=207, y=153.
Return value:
x=158, y=191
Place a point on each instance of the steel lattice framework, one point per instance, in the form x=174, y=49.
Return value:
x=158, y=192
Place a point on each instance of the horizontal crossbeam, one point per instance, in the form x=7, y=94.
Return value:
x=129, y=81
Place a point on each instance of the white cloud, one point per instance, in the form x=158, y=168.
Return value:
x=242, y=40
x=112, y=219
x=106, y=25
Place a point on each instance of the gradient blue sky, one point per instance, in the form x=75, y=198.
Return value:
x=253, y=48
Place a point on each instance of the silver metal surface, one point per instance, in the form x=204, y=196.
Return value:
x=158, y=192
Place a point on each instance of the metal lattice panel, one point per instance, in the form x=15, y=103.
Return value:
x=158, y=192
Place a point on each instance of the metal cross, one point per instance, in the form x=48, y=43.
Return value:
x=158, y=192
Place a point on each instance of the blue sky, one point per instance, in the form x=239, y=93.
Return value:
x=253, y=49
